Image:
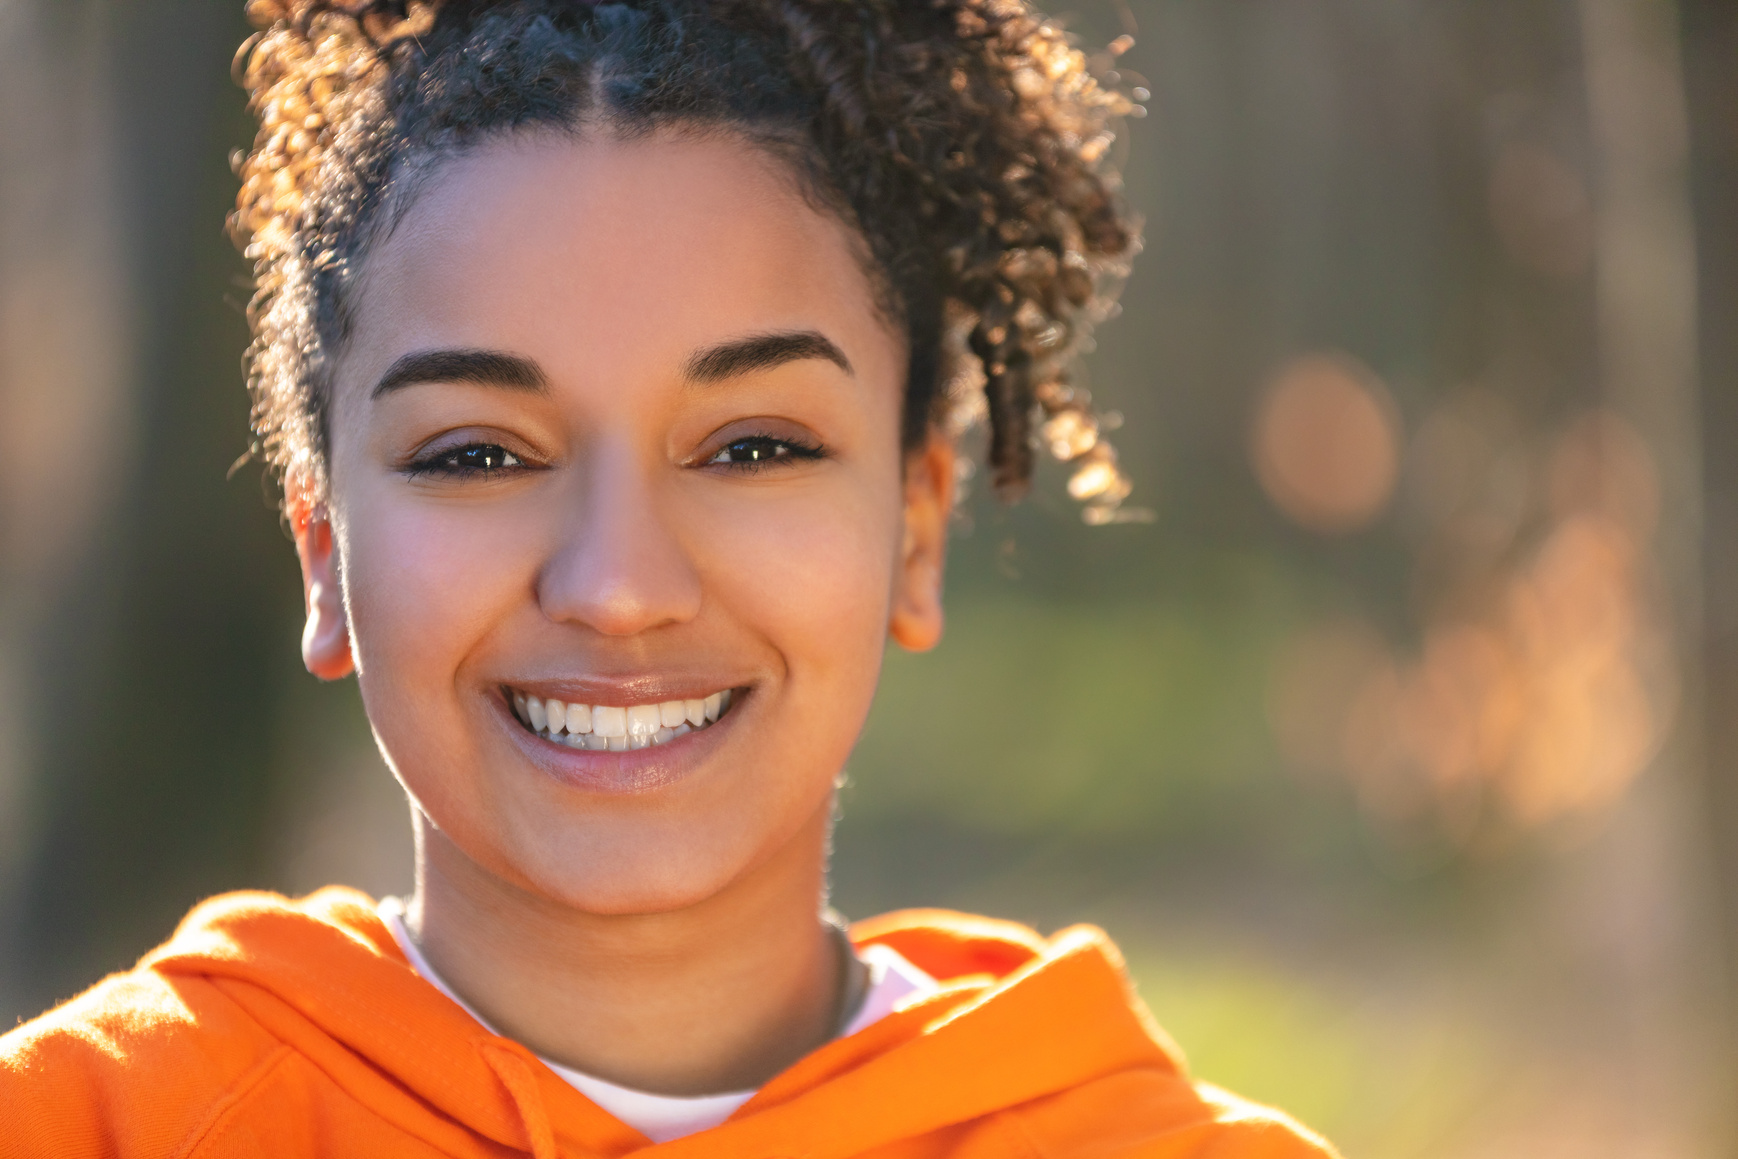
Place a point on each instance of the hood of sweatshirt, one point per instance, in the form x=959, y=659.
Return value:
x=1044, y=1035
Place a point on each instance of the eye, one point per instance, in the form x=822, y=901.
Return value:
x=471, y=460
x=762, y=450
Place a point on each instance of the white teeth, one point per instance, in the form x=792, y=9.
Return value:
x=579, y=718
x=644, y=720
x=608, y=720
x=614, y=728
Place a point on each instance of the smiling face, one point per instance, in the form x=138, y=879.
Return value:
x=618, y=426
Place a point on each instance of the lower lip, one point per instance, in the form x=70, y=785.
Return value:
x=625, y=773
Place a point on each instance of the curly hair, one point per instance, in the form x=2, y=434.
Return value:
x=963, y=140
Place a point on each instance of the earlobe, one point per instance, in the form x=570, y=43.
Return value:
x=916, y=621
x=326, y=635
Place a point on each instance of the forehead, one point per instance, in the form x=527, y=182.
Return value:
x=586, y=243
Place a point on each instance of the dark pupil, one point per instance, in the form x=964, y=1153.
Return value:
x=754, y=450
x=487, y=458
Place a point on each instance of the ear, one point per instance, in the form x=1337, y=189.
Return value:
x=326, y=635
x=916, y=621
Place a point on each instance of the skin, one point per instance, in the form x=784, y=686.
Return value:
x=651, y=917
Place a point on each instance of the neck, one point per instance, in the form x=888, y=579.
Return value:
x=718, y=996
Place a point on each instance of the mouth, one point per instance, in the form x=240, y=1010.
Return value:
x=616, y=728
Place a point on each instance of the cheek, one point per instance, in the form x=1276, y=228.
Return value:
x=811, y=571
x=425, y=583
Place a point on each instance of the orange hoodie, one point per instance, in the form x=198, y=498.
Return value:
x=269, y=1027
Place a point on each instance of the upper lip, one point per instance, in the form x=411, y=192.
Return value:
x=623, y=691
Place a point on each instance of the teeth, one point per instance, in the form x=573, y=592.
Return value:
x=608, y=720
x=614, y=728
x=644, y=720
x=579, y=718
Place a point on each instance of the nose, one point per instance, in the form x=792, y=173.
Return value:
x=618, y=569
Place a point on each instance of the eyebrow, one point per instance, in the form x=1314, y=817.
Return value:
x=483, y=367
x=762, y=352
x=516, y=372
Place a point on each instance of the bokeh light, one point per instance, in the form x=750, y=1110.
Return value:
x=1541, y=687
x=1325, y=443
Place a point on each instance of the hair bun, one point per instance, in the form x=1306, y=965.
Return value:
x=305, y=73
x=377, y=17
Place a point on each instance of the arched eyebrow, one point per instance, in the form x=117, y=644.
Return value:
x=516, y=372
x=762, y=352
x=482, y=367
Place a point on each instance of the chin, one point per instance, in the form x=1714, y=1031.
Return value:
x=659, y=874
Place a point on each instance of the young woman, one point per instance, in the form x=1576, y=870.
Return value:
x=612, y=356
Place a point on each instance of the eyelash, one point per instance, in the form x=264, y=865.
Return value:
x=785, y=453
x=445, y=463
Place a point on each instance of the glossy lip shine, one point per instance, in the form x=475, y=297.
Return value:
x=620, y=773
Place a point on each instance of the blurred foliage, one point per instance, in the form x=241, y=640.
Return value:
x=1400, y=1083
x=1108, y=721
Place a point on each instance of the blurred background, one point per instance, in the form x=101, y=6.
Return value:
x=1399, y=749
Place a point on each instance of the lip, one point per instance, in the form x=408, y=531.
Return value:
x=627, y=773
x=625, y=692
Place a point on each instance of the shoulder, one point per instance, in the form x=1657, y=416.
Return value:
x=131, y=1066
x=1157, y=1114
x=1122, y=1086
x=146, y=1061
